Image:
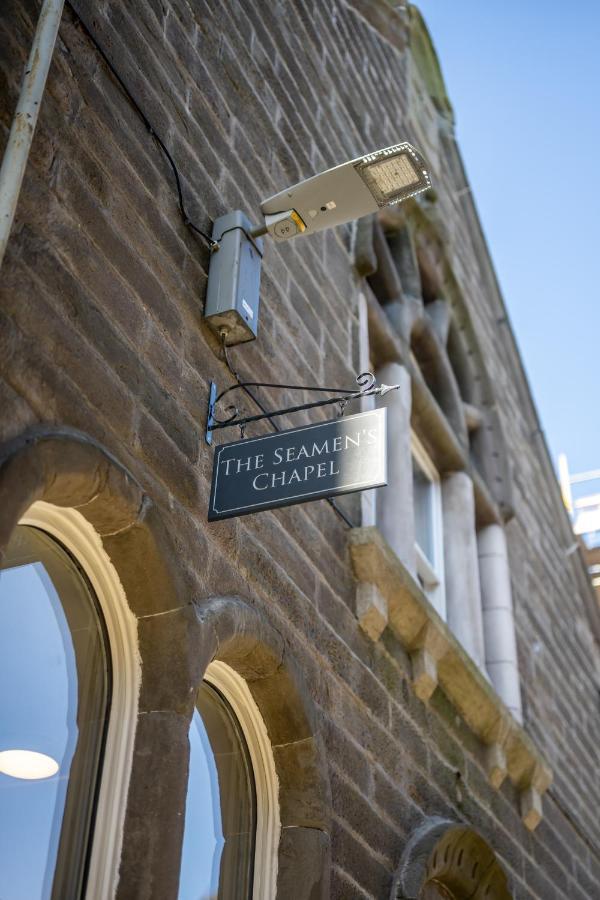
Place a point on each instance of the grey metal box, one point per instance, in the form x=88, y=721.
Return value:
x=232, y=297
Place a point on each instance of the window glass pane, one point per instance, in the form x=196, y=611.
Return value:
x=220, y=814
x=54, y=689
x=423, y=504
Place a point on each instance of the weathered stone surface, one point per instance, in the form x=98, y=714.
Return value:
x=371, y=610
x=173, y=661
x=495, y=760
x=156, y=807
x=101, y=333
x=531, y=808
x=303, y=870
x=438, y=658
x=424, y=673
x=304, y=793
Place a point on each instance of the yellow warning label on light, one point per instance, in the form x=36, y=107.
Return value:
x=296, y=218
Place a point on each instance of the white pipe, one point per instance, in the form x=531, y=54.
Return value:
x=16, y=154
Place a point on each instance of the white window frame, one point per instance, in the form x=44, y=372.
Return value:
x=268, y=824
x=431, y=572
x=75, y=533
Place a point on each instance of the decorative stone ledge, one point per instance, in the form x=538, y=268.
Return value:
x=371, y=610
x=387, y=590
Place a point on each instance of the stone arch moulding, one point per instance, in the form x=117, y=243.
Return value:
x=236, y=636
x=438, y=375
x=268, y=824
x=490, y=448
x=75, y=533
x=67, y=468
x=65, y=482
x=448, y=859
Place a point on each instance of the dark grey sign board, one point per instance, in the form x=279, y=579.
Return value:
x=336, y=457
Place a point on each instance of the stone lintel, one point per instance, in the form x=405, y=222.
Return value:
x=439, y=660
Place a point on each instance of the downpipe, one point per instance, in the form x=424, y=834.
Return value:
x=18, y=146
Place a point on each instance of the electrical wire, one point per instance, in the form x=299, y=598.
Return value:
x=186, y=219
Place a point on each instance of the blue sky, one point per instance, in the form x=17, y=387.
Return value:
x=524, y=79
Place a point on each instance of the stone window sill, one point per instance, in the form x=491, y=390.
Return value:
x=388, y=596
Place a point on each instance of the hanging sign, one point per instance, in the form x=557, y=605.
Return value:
x=336, y=457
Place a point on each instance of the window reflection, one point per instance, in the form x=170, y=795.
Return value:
x=54, y=690
x=220, y=815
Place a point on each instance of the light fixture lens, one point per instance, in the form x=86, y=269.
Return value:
x=393, y=175
x=27, y=764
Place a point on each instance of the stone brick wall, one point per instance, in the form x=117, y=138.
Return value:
x=101, y=330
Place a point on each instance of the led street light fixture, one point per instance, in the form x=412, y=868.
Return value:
x=339, y=195
x=346, y=192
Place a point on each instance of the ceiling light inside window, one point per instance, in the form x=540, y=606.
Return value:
x=27, y=764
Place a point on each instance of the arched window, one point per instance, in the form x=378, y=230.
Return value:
x=232, y=825
x=56, y=682
x=69, y=679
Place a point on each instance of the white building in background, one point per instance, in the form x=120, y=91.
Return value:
x=584, y=509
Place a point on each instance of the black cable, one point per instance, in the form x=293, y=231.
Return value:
x=241, y=384
x=186, y=219
x=340, y=513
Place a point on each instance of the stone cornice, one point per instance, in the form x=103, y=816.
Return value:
x=439, y=660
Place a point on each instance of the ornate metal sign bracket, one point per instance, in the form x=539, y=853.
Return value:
x=366, y=381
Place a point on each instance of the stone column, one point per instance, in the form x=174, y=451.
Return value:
x=368, y=499
x=395, y=514
x=463, y=596
x=498, y=620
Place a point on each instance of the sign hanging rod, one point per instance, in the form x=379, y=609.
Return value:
x=366, y=380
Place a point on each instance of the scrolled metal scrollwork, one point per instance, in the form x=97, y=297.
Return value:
x=366, y=382
x=229, y=419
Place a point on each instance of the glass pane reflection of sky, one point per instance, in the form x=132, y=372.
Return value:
x=203, y=839
x=38, y=709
